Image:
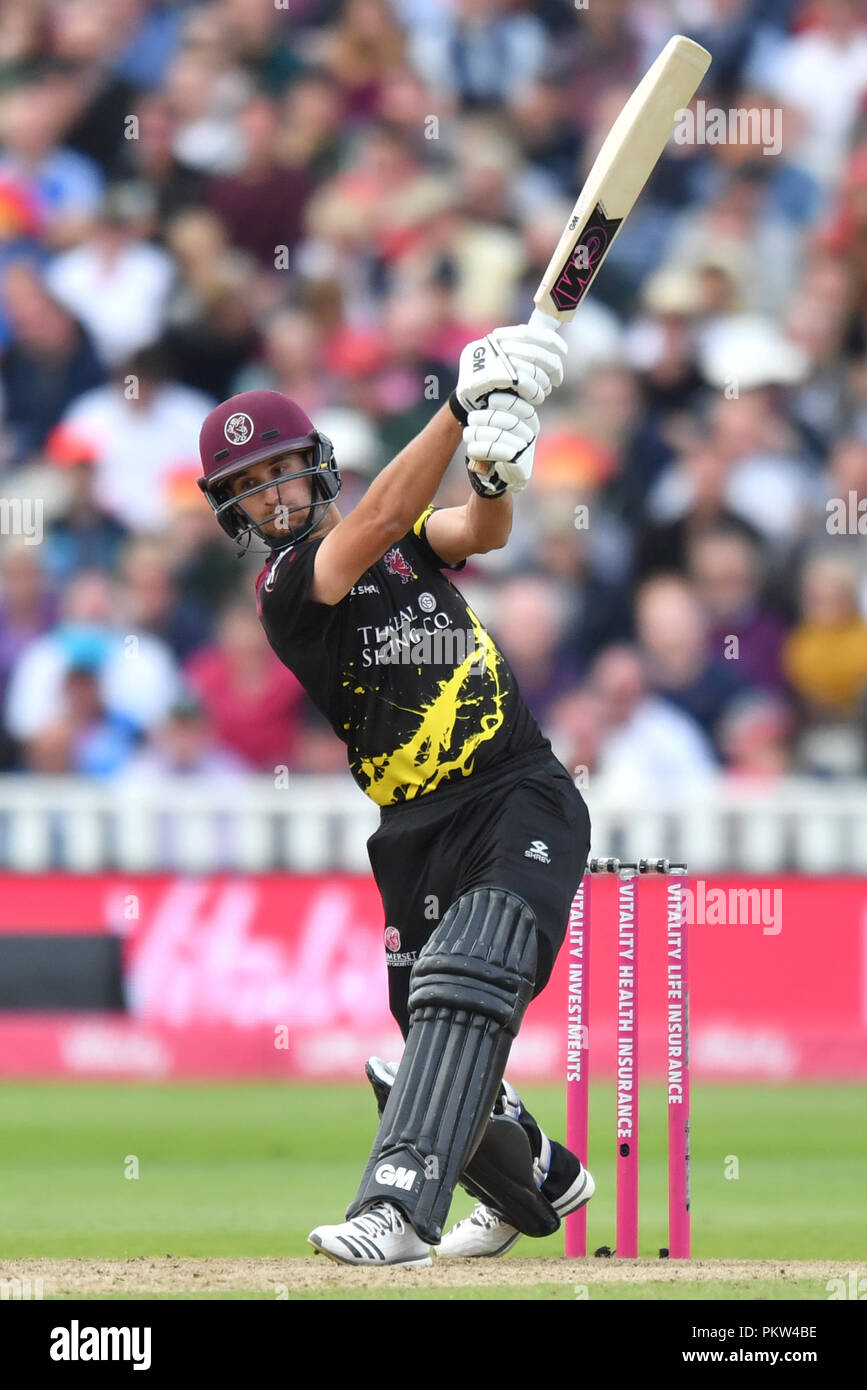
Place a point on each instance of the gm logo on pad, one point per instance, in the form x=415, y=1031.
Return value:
x=389, y=1176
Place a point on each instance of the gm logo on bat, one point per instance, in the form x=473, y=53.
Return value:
x=573, y=281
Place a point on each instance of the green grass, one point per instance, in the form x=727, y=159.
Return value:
x=244, y=1170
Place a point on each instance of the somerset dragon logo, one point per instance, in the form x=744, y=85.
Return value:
x=238, y=428
x=396, y=564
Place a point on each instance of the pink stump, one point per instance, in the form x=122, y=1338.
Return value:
x=627, y=1064
x=678, y=1072
x=578, y=1052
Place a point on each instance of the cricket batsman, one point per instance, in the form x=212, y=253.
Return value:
x=483, y=836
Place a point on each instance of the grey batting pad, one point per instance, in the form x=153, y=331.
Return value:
x=469, y=990
x=500, y=1172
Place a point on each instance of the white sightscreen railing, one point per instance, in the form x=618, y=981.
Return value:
x=247, y=824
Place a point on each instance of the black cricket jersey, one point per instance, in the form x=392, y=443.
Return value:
x=401, y=667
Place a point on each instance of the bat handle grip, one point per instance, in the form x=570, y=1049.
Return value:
x=476, y=466
x=539, y=319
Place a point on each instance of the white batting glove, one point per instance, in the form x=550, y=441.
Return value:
x=525, y=360
x=503, y=435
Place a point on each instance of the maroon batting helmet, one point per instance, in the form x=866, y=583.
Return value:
x=253, y=428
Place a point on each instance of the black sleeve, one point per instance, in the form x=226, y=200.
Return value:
x=419, y=535
x=286, y=606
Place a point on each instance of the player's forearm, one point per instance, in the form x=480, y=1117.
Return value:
x=489, y=522
x=405, y=487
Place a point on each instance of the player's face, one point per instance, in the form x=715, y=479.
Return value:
x=272, y=508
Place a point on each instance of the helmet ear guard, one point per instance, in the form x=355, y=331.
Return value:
x=236, y=521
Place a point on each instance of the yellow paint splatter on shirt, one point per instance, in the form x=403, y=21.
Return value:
x=422, y=762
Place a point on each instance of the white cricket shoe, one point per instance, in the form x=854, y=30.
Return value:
x=486, y=1233
x=381, y=1235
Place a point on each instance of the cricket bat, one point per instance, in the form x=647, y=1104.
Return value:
x=622, y=167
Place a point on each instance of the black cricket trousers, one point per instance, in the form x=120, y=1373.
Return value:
x=521, y=826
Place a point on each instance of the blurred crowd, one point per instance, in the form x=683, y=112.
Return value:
x=330, y=199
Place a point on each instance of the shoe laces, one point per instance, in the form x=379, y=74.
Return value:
x=485, y=1217
x=381, y=1220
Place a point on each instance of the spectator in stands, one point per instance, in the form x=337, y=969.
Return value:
x=673, y=638
x=531, y=612
x=138, y=677
x=28, y=606
x=791, y=192
x=87, y=39
x=212, y=333
x=83, y=535
x=492, y=192
x=648, y=747
x=151, y=159
x=151, y=602
x=740, y=219
x=739, y=34
x=543, y=122
x=576, y=728
x=145, y=55
x=415, y=354
x=600, y=58
x=403, y=104
x=183, y=745
x=262, y=37
x=48, y=363
x=139, y=429
x=205, y=561
x=319, y=752
x=610, y=410
x=21, y=32
x=755, y=736
x=205, y=87
x=358, y=449
x=662, y=343
x=845, y=235
x=66, y=187
x=310, y=134
x=689, y=500
x=598, y=610
x=85, y=738
x=292, y=360
x=374, y=212
x=724, y=566
x=822, y=71
x=116, y=282
x=261, y=204
x=825, y=656
x=482, y=53
x=769, y=483
x=820, y=322
x=360, y=50
x=840, y=509
x=252, y=701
